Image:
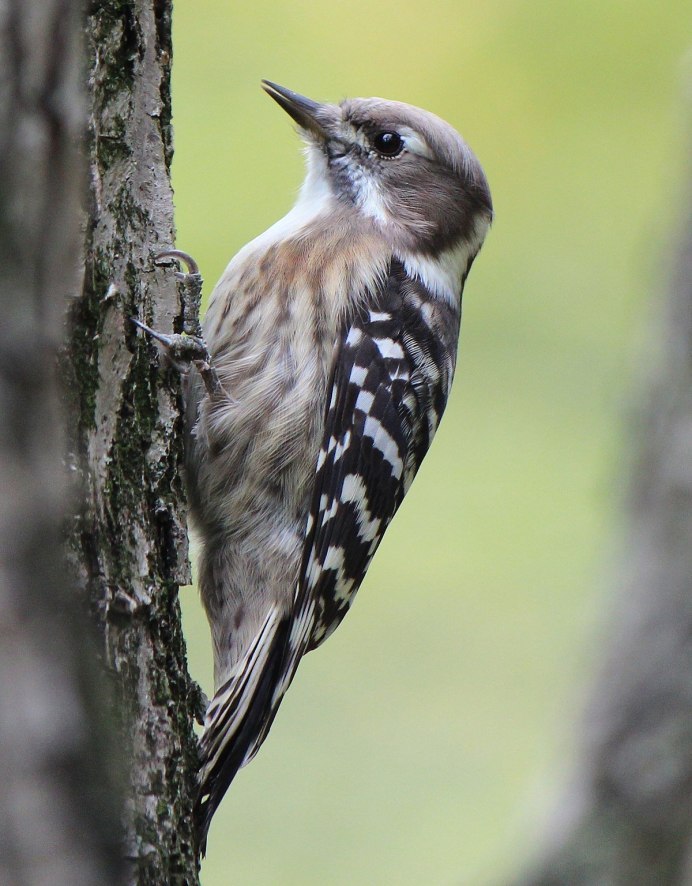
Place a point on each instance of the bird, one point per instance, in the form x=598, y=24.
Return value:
x=333, y=340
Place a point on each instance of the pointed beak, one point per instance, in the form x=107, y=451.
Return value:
x=309, y=115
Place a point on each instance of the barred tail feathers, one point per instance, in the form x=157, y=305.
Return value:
x=242, y=710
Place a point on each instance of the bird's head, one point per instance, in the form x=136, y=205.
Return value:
x=405, y=169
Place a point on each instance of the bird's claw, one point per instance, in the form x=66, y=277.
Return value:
x=179, y=255
x=189, y=288
x=184, y=350
x=180, y=347
x=187, y=347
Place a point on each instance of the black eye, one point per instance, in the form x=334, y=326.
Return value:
x=389, y=144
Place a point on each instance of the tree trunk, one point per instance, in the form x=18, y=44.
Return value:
x=128, y=545
x=627, y=818
x=58, y=812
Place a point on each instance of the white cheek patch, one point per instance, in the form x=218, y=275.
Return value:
x=370, y=199
x=441, y=275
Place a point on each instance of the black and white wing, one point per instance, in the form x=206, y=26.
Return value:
x=390, y=383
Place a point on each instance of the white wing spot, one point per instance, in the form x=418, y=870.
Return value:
x=354, y=336
x=334, y=558
x=358, y=374
x=385, y=443
x=364, y=401
x=354, y=490
x=330, y=512
x=343, y=590
x=389, y=348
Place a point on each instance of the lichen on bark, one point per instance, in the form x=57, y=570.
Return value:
x=128, y=543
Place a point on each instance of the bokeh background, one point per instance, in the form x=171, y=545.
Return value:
x=423, y=743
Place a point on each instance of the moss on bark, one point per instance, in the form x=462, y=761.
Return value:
x=129, y=541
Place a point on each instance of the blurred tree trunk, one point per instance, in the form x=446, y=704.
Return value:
x=626, y=819
x=128, y=545
x=78, y=704
x=58, y=812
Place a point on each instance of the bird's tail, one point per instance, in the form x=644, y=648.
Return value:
x=241, y=712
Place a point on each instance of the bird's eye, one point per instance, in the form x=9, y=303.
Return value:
x=388, y=144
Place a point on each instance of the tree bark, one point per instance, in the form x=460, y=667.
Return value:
x=128, y=544
x=626, y=819
x=58, y=813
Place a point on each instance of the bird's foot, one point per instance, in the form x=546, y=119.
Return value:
x=189, y=287
x=185, y=350
x=200, y=702
x=180, y=348
x=188, y=347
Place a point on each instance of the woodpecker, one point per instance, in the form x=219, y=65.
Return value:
x=333, y=340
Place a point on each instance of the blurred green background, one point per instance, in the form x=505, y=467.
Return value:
x=423, y=743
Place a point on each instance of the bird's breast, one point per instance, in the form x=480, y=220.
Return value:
x=272, y=327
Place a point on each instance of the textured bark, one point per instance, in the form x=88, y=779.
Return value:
x=627, y=818
x=128, y=546
x=58, y=814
